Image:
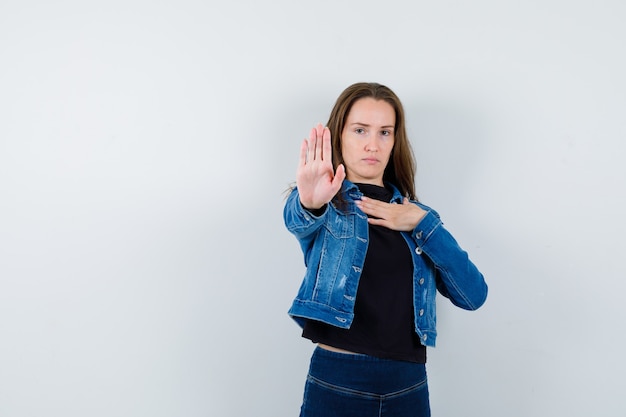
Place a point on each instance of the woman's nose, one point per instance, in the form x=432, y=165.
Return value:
x=371, y=145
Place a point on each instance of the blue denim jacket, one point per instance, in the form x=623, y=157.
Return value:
x=335, y=244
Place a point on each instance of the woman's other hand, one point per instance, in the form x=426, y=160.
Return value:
x=401, y=217
x=317, y=183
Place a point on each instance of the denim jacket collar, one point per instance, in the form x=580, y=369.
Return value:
x=352, y=190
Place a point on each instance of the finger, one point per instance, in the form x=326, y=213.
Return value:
x=319, y=132
x=373, y=203
x=340, y=175
x=341, y=172
x=368, y=208
x=311, y=148
x=303, y=147
x=327, y=152
x=378, y=222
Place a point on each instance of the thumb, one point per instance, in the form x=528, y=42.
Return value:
x=340, y=175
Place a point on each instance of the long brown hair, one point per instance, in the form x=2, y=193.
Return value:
x=400, y=170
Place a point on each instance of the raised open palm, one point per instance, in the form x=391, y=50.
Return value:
x=317, y=182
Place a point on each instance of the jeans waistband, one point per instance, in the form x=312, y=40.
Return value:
x=364, y=372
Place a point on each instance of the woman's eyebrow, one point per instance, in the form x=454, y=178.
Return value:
x=367, y=125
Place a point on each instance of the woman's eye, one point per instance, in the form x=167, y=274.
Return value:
x=359, y=130
x=386, y=132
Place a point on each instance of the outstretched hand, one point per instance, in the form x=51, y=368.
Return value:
x=401, y=217
x=317, y=183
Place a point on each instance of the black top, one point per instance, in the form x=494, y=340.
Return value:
x=383, y=324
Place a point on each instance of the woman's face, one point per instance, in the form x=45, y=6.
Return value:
x=367, y=140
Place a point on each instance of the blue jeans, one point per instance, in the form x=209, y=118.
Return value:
x=354, y=385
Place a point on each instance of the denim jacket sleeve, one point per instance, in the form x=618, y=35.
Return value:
x=301, y=222
x=457, y=277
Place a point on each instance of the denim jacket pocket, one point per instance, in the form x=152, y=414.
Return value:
x=341, y=226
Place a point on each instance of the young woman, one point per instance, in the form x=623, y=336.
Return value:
x=375, y=258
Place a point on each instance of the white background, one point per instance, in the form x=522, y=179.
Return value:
x=145, y=147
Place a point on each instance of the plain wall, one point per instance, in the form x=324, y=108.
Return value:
x=145, y=148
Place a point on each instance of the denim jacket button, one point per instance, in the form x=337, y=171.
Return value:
x=418, y=250
x=421, y=312
x=425, y=337
x=421, y=281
